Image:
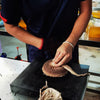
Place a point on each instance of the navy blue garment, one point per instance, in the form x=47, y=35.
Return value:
x=39, y=16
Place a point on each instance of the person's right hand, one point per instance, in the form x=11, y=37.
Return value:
x=63, y=55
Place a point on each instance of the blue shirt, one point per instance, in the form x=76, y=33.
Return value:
x=39, y=16
x=35, y=13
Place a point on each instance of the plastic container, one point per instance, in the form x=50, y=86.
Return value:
x=93, y=28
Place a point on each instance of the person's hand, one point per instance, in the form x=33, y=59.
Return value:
x=63, y=54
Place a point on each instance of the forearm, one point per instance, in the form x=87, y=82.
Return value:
x=23, y=35
x=78, y=29
x=79, y=26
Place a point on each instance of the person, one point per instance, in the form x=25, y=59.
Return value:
x=53, y=26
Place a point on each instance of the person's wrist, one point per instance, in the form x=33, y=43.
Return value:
x=67, y=42
x=41, y=45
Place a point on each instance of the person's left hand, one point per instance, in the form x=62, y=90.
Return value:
x=63, y=54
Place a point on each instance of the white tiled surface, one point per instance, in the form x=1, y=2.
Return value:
x=91, y=56
x=9, y=70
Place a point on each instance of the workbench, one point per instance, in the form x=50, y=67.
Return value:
x=24, y=80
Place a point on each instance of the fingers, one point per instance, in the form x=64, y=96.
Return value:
x=56, y=57
x=63, y=55
x=65, y=60
x=62, y=59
